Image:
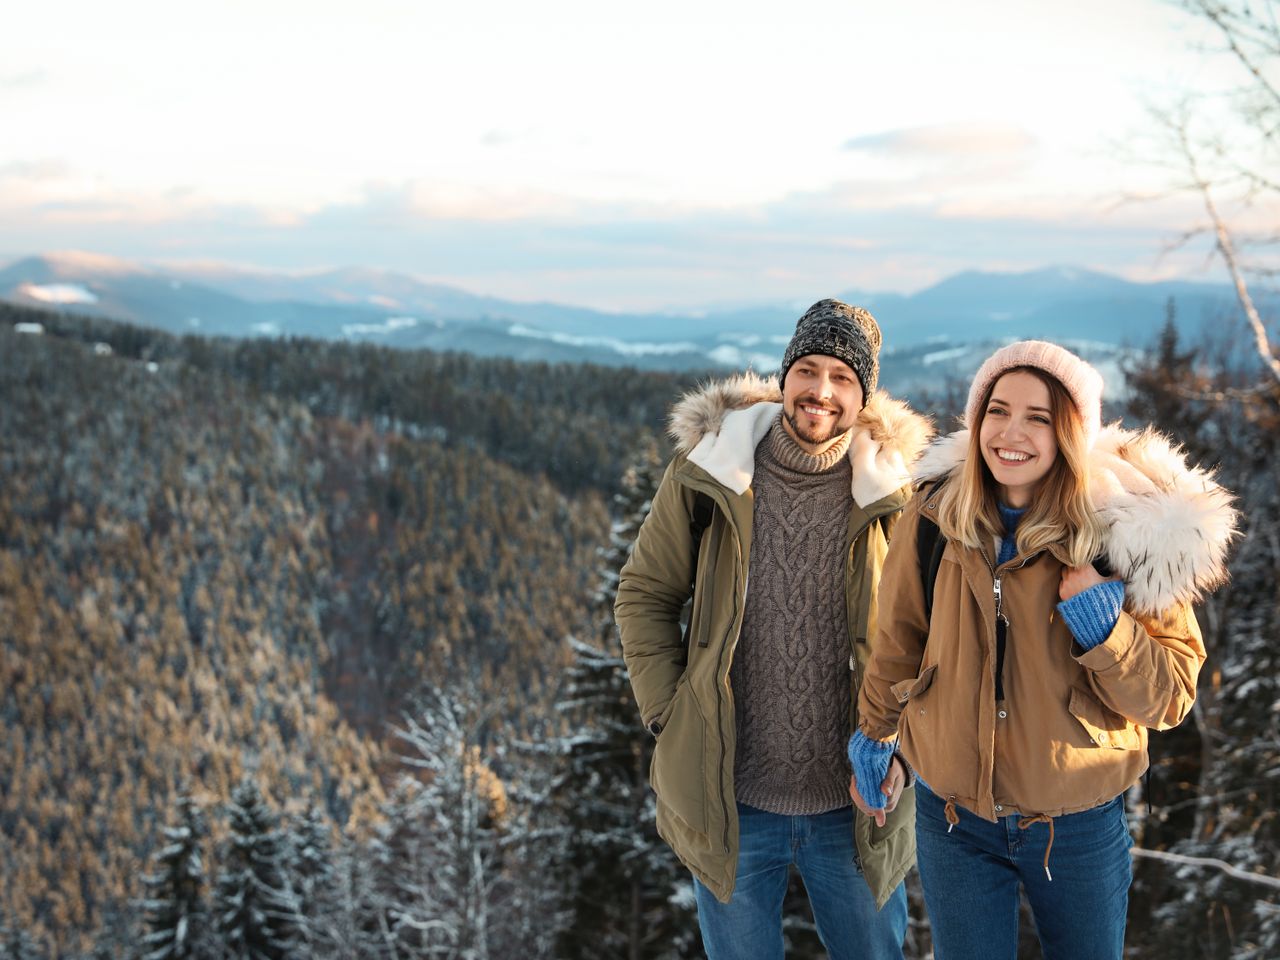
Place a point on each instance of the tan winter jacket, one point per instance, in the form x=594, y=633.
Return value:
x=1071, y=731
x=684, y=695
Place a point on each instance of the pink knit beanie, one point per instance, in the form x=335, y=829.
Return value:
x=1083, y=383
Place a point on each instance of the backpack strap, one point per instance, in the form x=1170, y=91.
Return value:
x=703, y=510
x=930, y=545
x=699, y=520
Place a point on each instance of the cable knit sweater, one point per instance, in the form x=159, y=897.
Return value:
x=790, y=671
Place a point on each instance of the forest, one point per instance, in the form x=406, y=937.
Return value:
x=308, y=651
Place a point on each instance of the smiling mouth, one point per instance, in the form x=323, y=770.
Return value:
x=817, y=411
x=1012, y=456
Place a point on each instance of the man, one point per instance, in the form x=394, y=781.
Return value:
x=753, y=710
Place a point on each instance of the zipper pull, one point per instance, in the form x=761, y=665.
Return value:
x=995, y=585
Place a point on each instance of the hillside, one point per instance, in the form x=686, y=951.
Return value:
x=246, y=557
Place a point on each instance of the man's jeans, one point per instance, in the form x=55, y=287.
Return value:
x=971, y=875
x=749, y=926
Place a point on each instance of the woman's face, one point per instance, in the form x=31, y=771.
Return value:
x=1017, y=438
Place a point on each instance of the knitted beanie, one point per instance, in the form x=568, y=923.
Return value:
x=835, y=329
x=1083, y=383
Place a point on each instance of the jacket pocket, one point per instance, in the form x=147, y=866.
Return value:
x=676, y=769
x=904, y=690
x=1105, y=728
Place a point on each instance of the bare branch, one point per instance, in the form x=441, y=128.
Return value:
x=1219, y=16
x=1241, y=395
x=1182, y=860
x=1227, y=249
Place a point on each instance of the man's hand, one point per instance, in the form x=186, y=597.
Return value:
x=891, y=787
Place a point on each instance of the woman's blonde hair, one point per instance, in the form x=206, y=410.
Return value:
x=1060, y=517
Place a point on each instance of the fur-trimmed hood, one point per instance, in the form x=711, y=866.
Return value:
x=720, y=424
x=1169, y=525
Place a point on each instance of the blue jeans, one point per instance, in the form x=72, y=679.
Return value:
x=749, y=926
x=971, y=875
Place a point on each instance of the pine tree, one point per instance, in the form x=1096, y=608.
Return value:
x=17, y=944
x=630, y=898
x=466, y=851
x=1210, y=790
x=1161, y=381
x=356, y=922
x=177, y=915
x=256, y=913
x=311, y=876
x=442, y=832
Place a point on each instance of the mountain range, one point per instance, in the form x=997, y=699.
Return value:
x=400, y=310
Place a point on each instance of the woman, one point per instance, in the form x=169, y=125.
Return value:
x=1023, y=696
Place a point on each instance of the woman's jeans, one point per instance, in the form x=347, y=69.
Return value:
x=971, y=874
x=749, y=926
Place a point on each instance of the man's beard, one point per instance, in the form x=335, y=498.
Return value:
x=812, y=436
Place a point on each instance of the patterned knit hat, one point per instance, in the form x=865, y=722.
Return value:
x=1083, y=382
x=835, y=329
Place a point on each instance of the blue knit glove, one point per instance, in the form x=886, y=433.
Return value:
x=1092, y=614
x=870, y=760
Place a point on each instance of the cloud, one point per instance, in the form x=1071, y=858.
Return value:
x=24, y=79
x=35, y=170
x=418, y=200
x=868, y=233
x=953, y=140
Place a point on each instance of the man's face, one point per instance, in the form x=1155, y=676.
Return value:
x=821, y=399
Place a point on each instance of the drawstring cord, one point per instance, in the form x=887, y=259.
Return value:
x=1026, y=822
x=950, y=812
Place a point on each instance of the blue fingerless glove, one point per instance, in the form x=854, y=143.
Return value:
x=870, y=761
x=1091, y=614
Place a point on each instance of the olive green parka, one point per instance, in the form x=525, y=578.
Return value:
x=683, y=691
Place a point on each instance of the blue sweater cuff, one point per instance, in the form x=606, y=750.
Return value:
x=870, y=761
x=1092, y=614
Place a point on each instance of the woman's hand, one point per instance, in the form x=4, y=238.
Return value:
x=1077, y=580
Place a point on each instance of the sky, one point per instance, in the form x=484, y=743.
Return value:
x=665, y=155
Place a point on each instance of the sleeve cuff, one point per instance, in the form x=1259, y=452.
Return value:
x=907, y=769
x=1092, y=614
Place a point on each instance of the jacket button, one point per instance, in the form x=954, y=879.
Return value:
x=1102, y=738
x=999, y=808
x=1003, y=714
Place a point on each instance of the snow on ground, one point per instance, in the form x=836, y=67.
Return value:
x=387, y=326
x=939, y=356
x=730, y=356
x=58, y=292
x=611, y=343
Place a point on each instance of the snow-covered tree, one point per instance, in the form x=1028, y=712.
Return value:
x=629, y=898
x=1209, y=868
x=255, y=912
x=1213, y=790
x=354, y=924
x=460, y=849
x=310, y=874
x=17, y=944
x=443, y=833
x=177, y=920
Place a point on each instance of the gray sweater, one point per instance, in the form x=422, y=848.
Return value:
x=790, y=672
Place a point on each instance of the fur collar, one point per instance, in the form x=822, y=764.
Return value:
x=720, y=424
x=1169, y=525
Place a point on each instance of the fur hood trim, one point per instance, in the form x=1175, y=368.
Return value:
x=720, y=425
x=1169, y=525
